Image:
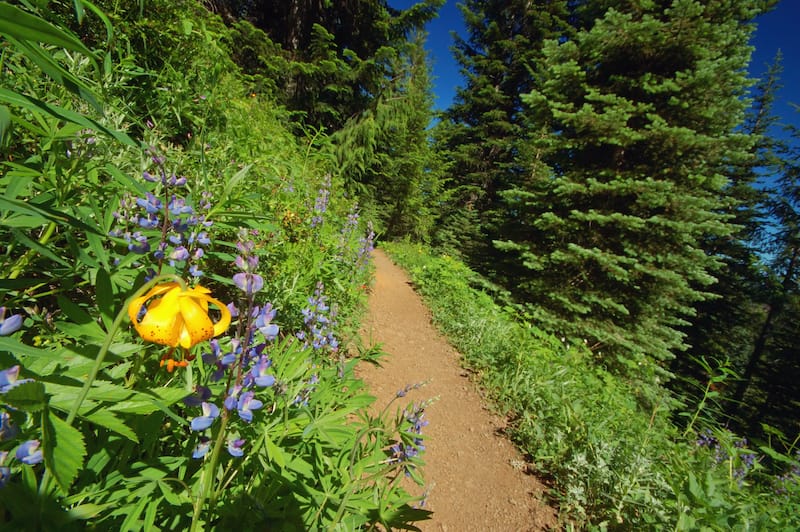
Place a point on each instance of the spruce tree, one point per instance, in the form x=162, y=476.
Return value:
x=482, y=132
x=727, y=325
x=385, y=153
x=634, y=118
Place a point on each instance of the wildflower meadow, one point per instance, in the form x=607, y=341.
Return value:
x=182, y=282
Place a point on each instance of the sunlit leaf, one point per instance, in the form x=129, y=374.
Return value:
x=63, y=449
x=28, y=396
x=19, y=24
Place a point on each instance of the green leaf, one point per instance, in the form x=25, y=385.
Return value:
x=17, y=348
x=23, y=239
x=64, y=449
x=37, y=106
x=58, y=73
x=5, y=123
x=88, y=511
x=274, y=452
x=104, y=293
x=28, y=396
x=20, y=24
x=106, y=418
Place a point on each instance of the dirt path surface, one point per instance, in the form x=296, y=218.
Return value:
x=474, y=477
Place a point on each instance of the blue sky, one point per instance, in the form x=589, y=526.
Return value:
x=776, y=30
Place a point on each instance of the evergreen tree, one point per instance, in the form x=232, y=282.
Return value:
x=386, y=154
x=782, y=306
x=727, y=325
x=482, y=132
x=635, y=117
x=338, y=53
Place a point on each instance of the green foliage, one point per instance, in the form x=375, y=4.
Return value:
x=99, y=428
x=615, y=463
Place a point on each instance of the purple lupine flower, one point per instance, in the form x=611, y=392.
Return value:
x=235, y=447
x=150, y=203
x=706, y=439
x=29, y=453
x=178, y=206
x=202, y=448
x=210, y=413
x=194, y=271
x=203, y=239
x=138, y=243
x=321, y=203
x=232, y=400
x=9, y=378
x=151, y=222
x=259, y=372
x=264, y=322
x=8, y=429
x=249, y=283
x=248, y=403
x=201, y=394
x=179, y=253
x=11, y=324
x=5, y=471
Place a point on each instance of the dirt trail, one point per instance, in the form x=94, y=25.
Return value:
x=474, y=477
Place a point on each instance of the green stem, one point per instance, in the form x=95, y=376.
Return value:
x=25, y=259
x=45, y=485
x=112, y=331
x=208, y=474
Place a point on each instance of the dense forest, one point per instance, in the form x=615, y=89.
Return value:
x=608, y=184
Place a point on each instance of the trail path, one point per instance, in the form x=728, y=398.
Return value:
x=473, y=475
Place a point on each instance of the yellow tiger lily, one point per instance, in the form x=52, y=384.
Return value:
x=179, y=317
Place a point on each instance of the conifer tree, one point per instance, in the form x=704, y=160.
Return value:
x=385, y=153
x=727, y=325
x=784, y=301
x=635, y=117
x=483, y=131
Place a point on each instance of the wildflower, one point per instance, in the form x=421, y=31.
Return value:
x=202, y=448
x=259, y=373
x=11, y=324
x=249, y=283
x=9, y=378
x=210, y=413
x=5, y=471
x=29, y=453
x=263, y=322
x=248, y=403
x=8, y=430
x=235, y=447
x=179, y=317
x=201, y=394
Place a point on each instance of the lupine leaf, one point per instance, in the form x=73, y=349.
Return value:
x=64, y=449
x=15, y=22
x=38, y=106
x=28, y=396
x=5, y=122
x=106, y=418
